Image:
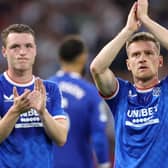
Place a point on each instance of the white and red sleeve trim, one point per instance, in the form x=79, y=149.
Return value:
x=58, y=117
x=113, y=94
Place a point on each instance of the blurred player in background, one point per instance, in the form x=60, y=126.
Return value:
x=31, y=114
x=86, y=110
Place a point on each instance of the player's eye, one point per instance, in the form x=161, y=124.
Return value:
x=29, y=46
x=14, y=46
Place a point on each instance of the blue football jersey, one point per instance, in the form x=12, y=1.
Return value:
x=88, y=118
x=141, y=123
x=28, y=146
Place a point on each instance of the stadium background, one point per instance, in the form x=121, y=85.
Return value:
x=97, y=21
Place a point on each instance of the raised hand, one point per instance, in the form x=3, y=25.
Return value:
x=21, y=102
x=142, y=9
x=133, y=23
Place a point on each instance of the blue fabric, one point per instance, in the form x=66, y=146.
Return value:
x=141, y=123
x=87, y=123
x=28, y=145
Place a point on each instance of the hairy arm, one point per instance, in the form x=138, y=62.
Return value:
x=104, y=78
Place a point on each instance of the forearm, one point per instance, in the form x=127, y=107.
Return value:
x=102, y=75
x=7, y=123
x=55, y=129
x=157, y=30
x=107, y=55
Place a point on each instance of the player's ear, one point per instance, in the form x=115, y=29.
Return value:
x=160, y=61
x=128, y=65
x=4, y=51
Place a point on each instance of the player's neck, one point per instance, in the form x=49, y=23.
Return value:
x=71, y=68
x=19, y=77
x=143, y=85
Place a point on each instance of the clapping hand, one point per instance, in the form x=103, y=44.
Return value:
x=37, y=97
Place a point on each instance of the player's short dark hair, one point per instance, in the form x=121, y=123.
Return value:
x=15, y=28
x=143, y=36
x=71, y=47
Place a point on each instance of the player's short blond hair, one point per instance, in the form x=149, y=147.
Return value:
x=143, y=36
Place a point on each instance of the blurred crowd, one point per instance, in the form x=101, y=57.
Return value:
x=96, y=21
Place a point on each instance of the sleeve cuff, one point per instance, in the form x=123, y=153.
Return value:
x=105, y=165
